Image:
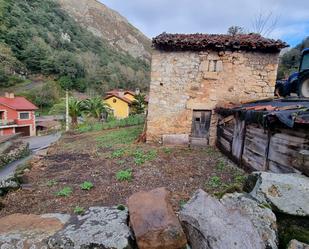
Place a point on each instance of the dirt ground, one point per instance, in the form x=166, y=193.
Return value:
x=97, y=157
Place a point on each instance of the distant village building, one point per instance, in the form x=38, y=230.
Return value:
x=193, y=74
x=17, y=115
x=120, y=101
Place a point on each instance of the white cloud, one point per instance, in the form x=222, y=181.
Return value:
x=213, y=16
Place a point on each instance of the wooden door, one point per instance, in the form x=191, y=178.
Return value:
x=201, y=124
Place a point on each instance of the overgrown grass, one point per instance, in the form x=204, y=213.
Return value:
x=140, y=156
x=119, y=137
x=113, y=123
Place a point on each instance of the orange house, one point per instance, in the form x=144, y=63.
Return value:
x=17, y=115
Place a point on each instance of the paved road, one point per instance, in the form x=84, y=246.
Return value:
x=42, y=142
x=35, y=144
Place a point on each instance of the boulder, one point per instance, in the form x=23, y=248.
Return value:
x=209, y=224
x=100, y=227
x=294, y=244
x=153, y=221
x=29, y=231
x=285, y=193
x=262, y=217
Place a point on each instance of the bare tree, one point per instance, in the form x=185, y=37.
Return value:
x=264, y=23
x=235, y=30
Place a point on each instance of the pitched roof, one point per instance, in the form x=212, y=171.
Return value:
x=119, y=97
x=218, y=42
x=117, y=91
x=18, y=103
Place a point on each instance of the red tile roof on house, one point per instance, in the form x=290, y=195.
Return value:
x=18, y=103
x=118, y=91
x=217, y=42
x=119, y=97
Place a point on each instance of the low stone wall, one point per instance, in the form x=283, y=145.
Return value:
x=13, y=151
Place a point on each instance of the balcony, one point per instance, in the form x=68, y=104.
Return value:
x=7, y=123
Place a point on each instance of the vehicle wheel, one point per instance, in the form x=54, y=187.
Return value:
x=303, y=89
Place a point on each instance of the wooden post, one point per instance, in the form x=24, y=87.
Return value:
x=67, y=110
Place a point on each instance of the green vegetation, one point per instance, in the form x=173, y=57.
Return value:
x=140, y=157
x=182, y=203
x=119, y=137
x=167, y=150
x=215, y=182
x=112, y=123
x=118, y=153
x=121, y=207
x=51, y=183
x=79, y=210
x=289, y=62
x=139, y=104
x=86, y=185
x=220, y=165
x=38, y=37
x=65, y=192
x=124, y=175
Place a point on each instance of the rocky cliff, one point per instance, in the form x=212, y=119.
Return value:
x=109, y=25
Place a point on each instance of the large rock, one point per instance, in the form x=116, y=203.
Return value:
x=100, y=227
x=294, y=244
x=153, y=221
x=209, y=224
x=286, y=193
x=29, y=231
x=263, y=219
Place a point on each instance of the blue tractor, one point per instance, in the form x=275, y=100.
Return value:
x=297, y=82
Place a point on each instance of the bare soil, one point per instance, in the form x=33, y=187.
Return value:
x=98, y=156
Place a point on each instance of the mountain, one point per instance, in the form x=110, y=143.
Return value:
x=76, y=44
x=109, y=25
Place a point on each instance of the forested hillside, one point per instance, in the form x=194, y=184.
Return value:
x=289, y=62
x=37, y=37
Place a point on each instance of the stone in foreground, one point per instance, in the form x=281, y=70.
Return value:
x=100, y=227
x=29, y=231
x=286, y=193
x=153, y=221
x=294, y=244
x=263, y=219
x=209, y=224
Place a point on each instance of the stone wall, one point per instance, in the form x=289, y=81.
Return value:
x=185, y=81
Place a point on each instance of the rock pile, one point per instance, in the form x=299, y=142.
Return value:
x=237, y=221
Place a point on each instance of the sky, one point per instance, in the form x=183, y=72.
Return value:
x=290, y=18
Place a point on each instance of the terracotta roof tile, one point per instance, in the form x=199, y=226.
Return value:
x=218, y=42
x=18, y=103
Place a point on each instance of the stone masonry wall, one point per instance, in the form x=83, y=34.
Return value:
x=185, y=81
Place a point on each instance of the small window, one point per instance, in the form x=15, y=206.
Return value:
x=24, y=115
x=114, y=100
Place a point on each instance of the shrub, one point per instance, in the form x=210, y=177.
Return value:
x=65, y=192
x=214, y=182
x=86, y=185
x=79, y=210
x=124, y=175
x=140, y=157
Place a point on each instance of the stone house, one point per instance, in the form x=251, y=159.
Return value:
x=191, y=75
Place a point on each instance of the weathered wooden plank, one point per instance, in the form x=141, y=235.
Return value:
x=225, y=144
x=285, y=152
x=238, y=138
x=255, y=148
x=278, y=168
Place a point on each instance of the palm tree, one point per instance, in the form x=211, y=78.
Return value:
x=139, y=104
x=76, y=109
x=95, y=107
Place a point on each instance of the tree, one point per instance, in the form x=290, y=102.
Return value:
x=76, y=109
x=264, y=23
x=95, y=107
x=139, y=104
x=235, y=30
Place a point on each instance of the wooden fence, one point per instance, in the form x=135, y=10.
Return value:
x=251, y=146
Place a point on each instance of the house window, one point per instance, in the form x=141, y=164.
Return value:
x=114, y=100
x=24, y=115
x=215, y=66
